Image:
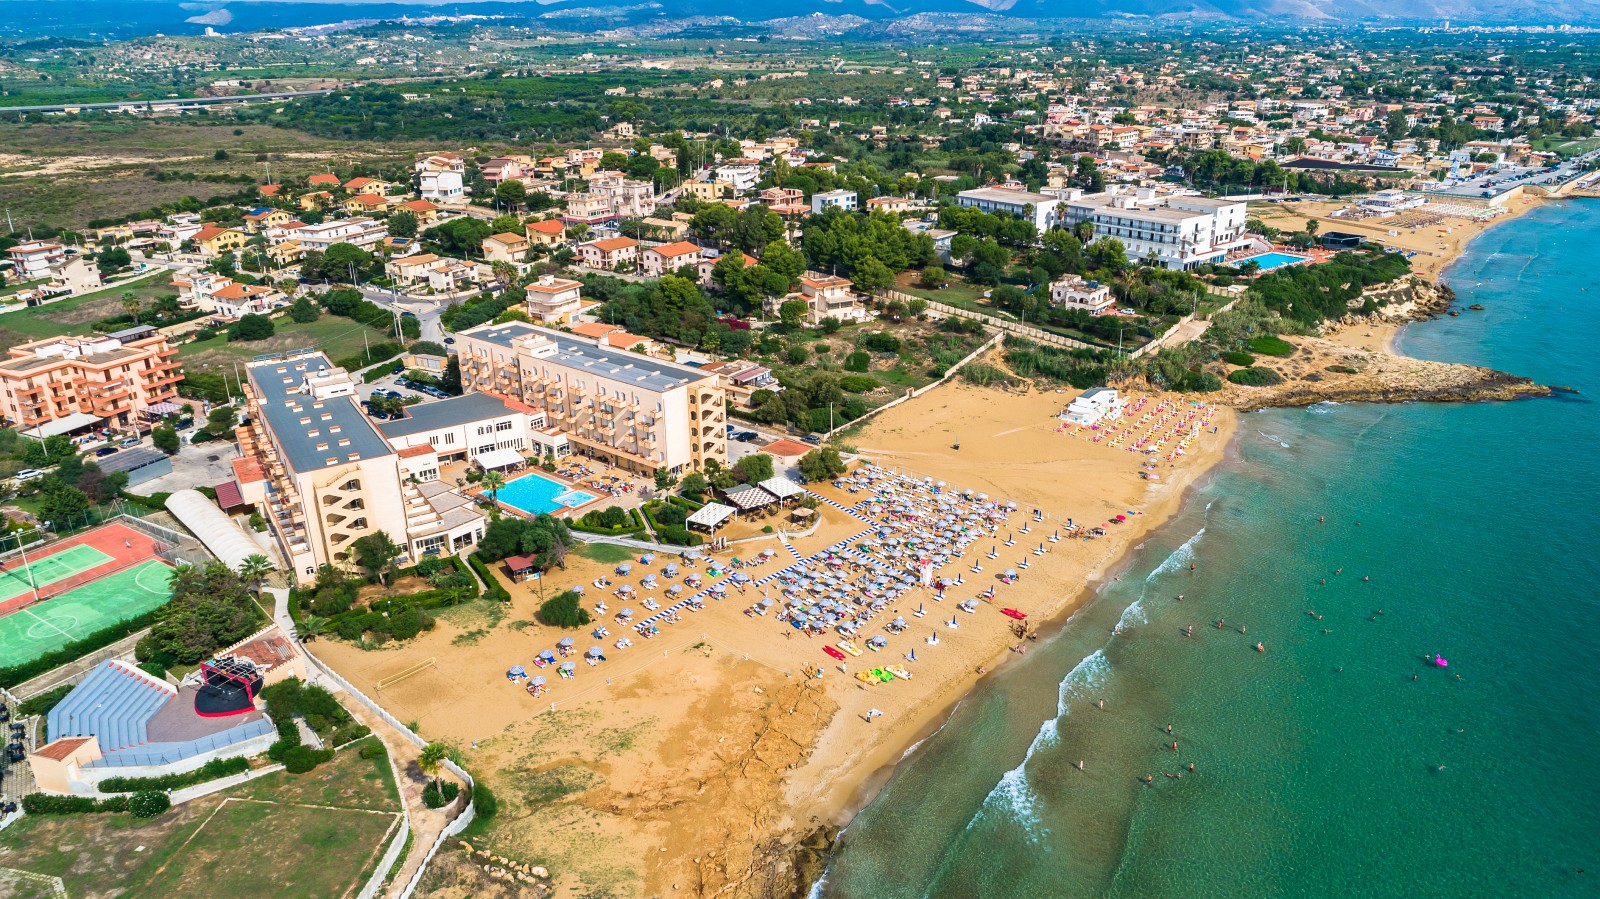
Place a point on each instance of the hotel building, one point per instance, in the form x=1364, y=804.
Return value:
x=65, y=384
x=639, y=413
x=1178, y=232
x=324, y=477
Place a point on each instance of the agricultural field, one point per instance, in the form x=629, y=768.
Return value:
x=75, y=315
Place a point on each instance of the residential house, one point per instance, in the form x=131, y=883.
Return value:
x=610, y=253
x=214, y=241
x=365, y=185
x=425, y=211
x=1073, y=292
x=64, y=384
x=546, y=233
x=891, y=205
x=442, y=177
x=512, y=248
x=365, y=204
x=362, y=232
x=822, y=201
x=657, y=261
x=825, y=296
x=262, y=218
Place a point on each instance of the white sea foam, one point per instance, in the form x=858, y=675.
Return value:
x=1013, y=798
x=1275, y=439
x=1132, y=615
x=1323, y=408
x=1180, y=557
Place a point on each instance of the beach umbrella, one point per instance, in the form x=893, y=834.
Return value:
x=901, y=622
x=595, y=652
x=625, y=613
x=694, y=554
x=625, y=588
x=624, y=568
x=539, y=681
x=766, y=602
x=1011, y=572
x=647, y=558
x=564, y=641
x=569, y=666
x=517, y=671
x=547, y=655
x=675, y=589
x=577, y=588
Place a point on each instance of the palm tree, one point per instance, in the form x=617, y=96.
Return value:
x=492, y=481
x=130, y=304
x=313, y=627
x=431, y=760
x=182, y=576
x=255, y=569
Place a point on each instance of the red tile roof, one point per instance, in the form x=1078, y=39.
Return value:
x=411, y=452
x=786, y=448
x=60, y=749
x=228, y=495
x=248, y=471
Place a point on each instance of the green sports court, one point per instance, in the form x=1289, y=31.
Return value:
x=30, y=632
x=73, y=560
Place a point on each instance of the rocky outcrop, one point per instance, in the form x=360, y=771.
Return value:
x=1413, y=299
x=1321, y=371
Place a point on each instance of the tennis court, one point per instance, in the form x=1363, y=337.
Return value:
x=35, y=630
x=43, y=572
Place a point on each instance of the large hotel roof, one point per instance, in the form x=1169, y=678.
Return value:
x=618, y=365
x=314, y=434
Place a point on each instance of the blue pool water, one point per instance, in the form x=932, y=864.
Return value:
x=535, y=493
x=1270, y=261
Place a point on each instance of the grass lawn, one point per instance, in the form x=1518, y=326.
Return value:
x=959, y=294
x=338, y=337
x=604, y=553
x=316, y=834
x=74, y=315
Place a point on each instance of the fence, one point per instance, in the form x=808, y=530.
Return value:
x=454, y=827
x=1017, y=328
x=913, y=394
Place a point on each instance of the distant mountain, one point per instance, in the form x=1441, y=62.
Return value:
x=131, y=18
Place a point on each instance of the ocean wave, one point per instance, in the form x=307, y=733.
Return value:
x=1180, y=557
x=1132, y=615
x=1275, y=439
x=1323, y=408
x=1013, y=798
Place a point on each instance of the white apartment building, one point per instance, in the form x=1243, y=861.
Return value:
x=825, y=296
x=36, y=259
x=1177, y=232
x=442, y=177
x=741, y=175
x=833, y=199
x=1040, y=209
x=361, y=231
x=464, y=428
x=610, y=197
x=636, y=412
x=329, y=478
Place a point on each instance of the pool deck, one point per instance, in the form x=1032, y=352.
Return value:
x=476, y=490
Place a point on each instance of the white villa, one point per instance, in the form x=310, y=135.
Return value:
x=1094, y=406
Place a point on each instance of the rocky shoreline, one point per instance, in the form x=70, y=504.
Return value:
x=1321, y=370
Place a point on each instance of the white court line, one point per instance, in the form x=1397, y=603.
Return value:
x=58, y=630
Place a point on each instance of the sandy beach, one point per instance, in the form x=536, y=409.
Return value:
x=695, y=760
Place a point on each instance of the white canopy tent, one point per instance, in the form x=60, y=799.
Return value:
x=66, y=424
x=220, y=534
x=711, y=516
x=781, y=487
x=499, y=458
x=749, y=498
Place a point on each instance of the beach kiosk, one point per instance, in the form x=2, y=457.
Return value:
x=710, y=517
x=1094, y=406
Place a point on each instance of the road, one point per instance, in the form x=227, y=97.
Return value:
x=171, y=103
x=426, y=309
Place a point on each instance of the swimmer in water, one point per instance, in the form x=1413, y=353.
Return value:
x=1339, y=570
x=1366, y=577
x=1219, y=623
x=1241, y=628
x=1322, y=518
x=1180, y=597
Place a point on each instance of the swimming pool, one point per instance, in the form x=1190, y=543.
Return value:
x=1270, y=261
x=534, y=493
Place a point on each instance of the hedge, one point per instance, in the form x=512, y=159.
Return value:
x=1235, y=357
x=494, y=591
x=633, y=528
x=679, y=536
x=376, y=373
x=216, y=769
x=155, y=502
x=149, y=803
x=44, y=702
x=424, y=601
x=46, y=804
x=12, y=675
x=301, y=759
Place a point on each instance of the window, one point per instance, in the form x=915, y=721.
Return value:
x=502, y=426
x=485, y=449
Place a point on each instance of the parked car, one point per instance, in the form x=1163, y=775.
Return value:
x=104, y=451
x=745, y=435
x=28, y=474
x=813, y=439
x=129, y=442
x=448, y=341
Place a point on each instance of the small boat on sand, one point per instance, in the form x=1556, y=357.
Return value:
x=1013, y=613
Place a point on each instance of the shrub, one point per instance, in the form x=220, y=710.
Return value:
x=438, y=794
x=148, y=803
x=1255, y=377
x=857, y=361
x=212, y=770
x=45, y=804
x=669, y=515
x=44, y=702
x=484, y=801
x=1241, y=359
x=251, y=327
x=678, y=536
x=1343, y=370
x=564, y=610
x=300, y=759
x=1271, y=345
x=858, y=383
x=881, y=342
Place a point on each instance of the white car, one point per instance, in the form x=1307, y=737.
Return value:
x=28, y=474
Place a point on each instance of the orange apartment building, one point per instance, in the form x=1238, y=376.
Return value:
x=65, y=384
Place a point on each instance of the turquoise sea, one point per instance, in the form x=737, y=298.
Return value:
x=1338, y=762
